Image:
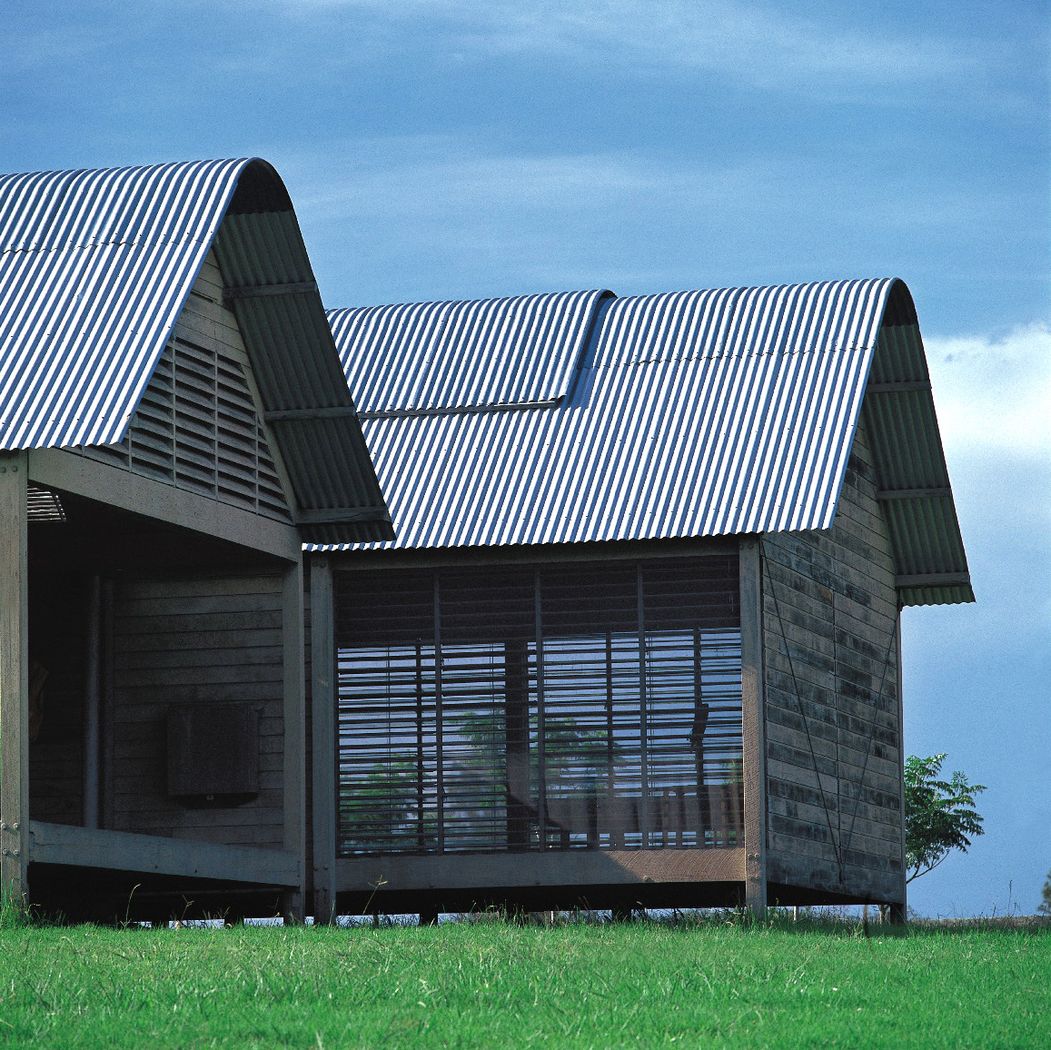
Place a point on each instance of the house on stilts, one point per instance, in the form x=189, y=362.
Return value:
x=555, y=601
x=636, y=640
x=167, y=377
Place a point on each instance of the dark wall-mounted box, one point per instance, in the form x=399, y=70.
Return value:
x=213, y=753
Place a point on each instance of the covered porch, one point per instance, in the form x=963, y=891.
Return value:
x=151, y=678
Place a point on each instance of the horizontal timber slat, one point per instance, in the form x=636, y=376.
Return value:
x=551, y=868
x=115, y=850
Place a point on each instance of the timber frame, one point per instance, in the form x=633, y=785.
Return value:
x=607, y=878
x=822, y=755
x=14, y=678
x=173, y=871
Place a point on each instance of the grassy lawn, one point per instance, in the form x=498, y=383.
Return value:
x=493, y=984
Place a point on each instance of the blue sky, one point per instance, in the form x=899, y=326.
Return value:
x=443, y=149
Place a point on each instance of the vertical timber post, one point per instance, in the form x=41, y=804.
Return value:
x=108, y=719
x=93, y=702
x=753, y=726
x=325, y=746
x=898, y=910
x=14, y=678
x=294, y=758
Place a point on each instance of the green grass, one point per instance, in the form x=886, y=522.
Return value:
x=493, y=984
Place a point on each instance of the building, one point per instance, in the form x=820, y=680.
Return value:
x=628, y=634
x=635, y=641
x=166, y=377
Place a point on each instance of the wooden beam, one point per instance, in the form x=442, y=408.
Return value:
x=631, y=550
x=69, y=472
x=155, y=854
x=898, y=388
x=294, y=758
x=582, y=868
x=341, y=515
x=325, y=744
x=934, y=579
x=294, y=415
x=14, y=677
x=921, y=493
x=263, y=290
x=753, y=725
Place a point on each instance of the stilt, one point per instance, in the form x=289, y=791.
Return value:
x=14, y=681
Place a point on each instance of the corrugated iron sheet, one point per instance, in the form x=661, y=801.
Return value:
x=899, y=409
x=428, y=357
x=689, y=414
x=95, y=267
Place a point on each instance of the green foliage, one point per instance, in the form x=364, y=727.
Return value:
x=940, y=815
x=715, y=983
x=1045, y=898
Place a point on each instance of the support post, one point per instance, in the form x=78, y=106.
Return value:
x=92, y=702
x=108, y=718
x=14, y=678
x=324, y=738
x=294, y=758
x=516, y=742
x=899, y=911
x=753, y=725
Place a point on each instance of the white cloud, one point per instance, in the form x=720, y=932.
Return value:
x=993, y=394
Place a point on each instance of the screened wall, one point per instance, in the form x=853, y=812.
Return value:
x=590, y=705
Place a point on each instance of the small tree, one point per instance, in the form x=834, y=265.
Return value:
x=940, y=815
x=1045, y=898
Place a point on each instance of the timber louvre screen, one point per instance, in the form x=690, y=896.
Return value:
x=567, y=705
x=197, y=428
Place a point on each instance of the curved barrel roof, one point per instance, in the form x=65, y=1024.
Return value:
x=95, y=267
x=686, y=414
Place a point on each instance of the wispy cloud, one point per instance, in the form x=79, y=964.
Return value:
x=639, y=220
x=759, y=44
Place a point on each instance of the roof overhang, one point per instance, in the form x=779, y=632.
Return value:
x=914, y=490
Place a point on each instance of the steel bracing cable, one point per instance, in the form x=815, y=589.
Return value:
x=806, y=724
x=869, y=750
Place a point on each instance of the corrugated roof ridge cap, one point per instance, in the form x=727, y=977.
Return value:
x=729, y=321
x=339, y=311
x=20, y=186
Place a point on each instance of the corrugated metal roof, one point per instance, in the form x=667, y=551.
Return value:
x=689, y=414
x=429, y=357
x=95, y=267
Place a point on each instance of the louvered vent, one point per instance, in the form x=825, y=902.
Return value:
x=561, y=706
x=197, y=428
x=44, y=505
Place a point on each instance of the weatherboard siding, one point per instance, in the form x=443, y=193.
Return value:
x=833, y=732
x=184, y=641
